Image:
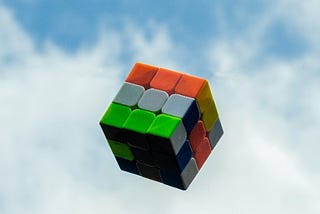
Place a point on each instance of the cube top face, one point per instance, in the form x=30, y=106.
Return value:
x=165, y=80
x=142, y=74
x=162, y=125
x=153, y=100
x=181, y=101
x=139, y=121
x=183, y=86
x=129, y=94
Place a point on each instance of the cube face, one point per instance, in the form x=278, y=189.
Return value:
x=121, y=150
x=129, y=94
x=165, y=80
x=153, y=100
x=183, y=107
x=162, y=125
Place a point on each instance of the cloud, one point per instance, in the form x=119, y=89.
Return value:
x=268, y=108
x=302, y=15
x=12, y=49
x=53, y=156
x=50, y=104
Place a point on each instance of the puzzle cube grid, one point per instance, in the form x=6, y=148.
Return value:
x=162, y=125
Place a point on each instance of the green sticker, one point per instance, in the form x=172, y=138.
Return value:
x=164, y=125
x=121, y=150
x=116, y=115
x=139, y=121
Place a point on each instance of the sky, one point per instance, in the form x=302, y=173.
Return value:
x=62, y=62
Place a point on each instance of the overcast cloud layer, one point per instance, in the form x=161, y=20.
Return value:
x=53, y=156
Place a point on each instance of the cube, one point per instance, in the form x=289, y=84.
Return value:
x=165, y=80
x=153, y=100
x=166, y=134
x=183, y=107
x=162, y=125
x=129, y=94
x=135, y=128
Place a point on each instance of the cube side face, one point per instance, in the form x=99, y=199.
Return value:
x=127, y=165
x=215, y=133
x=150, y=172
x=162, y=125
x=121, y=150
x=167, y=134
x=181, y=180
x=144, y=156
x=139, y=121
x=135, y=128
x=204, y=96
x=116, y=115
x=197, y=135
x=210, y=116
x=202, y=152
x=113, y=120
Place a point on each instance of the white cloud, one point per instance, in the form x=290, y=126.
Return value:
x=302, y=15
x=268, y=106
x=12, y=49
x=51, y=102
x=53, y=157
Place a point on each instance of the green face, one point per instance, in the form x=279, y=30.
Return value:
x=139, y=121
x=164, y=125
x=116, y=115
x=121, y=150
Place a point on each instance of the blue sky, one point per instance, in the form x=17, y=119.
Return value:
x=61, y=63
x=191, y=23
x=52, y=19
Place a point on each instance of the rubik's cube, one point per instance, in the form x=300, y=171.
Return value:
x=162, y=125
